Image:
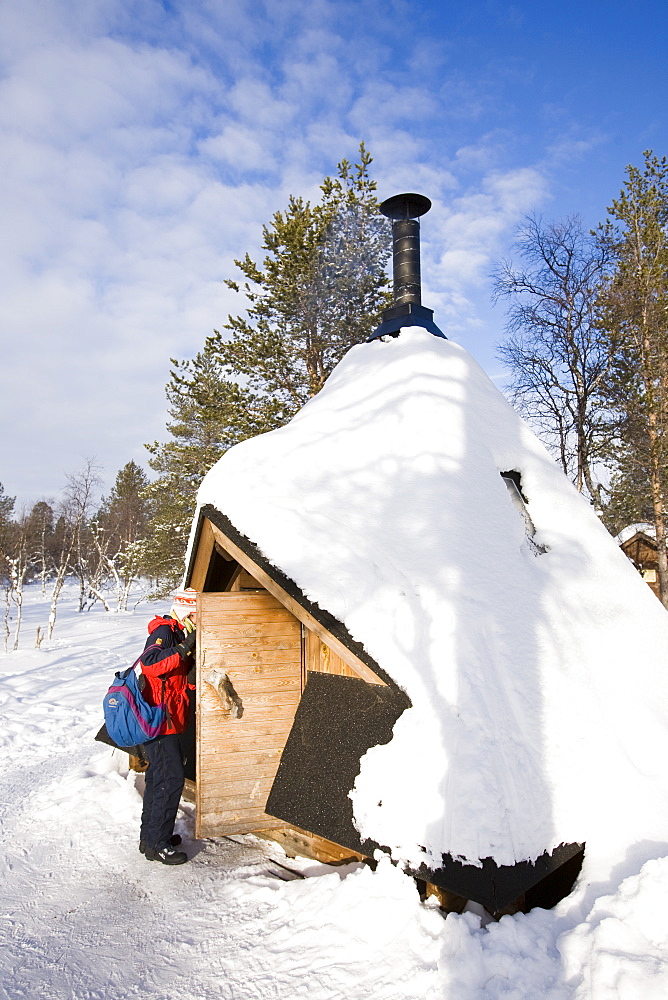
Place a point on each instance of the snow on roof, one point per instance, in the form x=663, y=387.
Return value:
x=538, y=681
x=630, y=530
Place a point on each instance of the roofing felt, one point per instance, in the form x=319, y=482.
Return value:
x=383, y=501
x=327, y=620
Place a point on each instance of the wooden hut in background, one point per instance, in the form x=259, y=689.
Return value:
x=640, y=547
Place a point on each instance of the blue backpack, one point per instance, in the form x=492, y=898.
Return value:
x=127, y=716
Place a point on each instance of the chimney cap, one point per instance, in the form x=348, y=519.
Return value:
x=405, y=206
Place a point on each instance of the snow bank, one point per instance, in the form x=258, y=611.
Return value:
x=619, y=951
x=539, y=683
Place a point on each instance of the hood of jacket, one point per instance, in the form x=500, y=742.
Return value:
x=160, y=620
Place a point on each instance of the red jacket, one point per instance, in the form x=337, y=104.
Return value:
x=166, y=672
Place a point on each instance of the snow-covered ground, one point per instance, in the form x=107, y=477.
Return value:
x=85, y=916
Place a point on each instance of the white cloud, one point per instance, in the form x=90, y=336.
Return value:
x=242, y=147
x=142, y=150
x=474, y=223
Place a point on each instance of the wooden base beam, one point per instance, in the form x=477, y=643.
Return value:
x=296, y=842
x=449, y=902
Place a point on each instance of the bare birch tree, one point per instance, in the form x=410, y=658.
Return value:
x=69, y=553
x=17, y=561
x=86, y=561
x=556, y=352
x=65, y=545
x=120, y=528
x=14, y=566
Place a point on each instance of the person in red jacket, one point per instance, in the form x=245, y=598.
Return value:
x=165, y=663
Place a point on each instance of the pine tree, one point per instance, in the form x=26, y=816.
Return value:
x=320, y=290
x=124, y=513
x=629, y=500
x=6, y=524
x=634, y=308
x=40, y=529
x=208, y=415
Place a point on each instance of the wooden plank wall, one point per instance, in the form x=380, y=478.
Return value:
x=322, y=659
x=360, y=669
x=252, y=638
x=244, y=581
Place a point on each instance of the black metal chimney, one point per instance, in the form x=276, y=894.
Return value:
x=405, y=211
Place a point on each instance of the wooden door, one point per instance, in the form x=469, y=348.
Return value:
x=249, y=680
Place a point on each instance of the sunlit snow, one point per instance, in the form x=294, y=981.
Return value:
x=85, y=917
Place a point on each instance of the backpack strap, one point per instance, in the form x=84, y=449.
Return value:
x=126, y=673
x=162, y=677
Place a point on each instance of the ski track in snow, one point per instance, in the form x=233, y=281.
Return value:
x=83, y=916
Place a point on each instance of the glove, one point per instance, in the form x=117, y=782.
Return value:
x=186, y=647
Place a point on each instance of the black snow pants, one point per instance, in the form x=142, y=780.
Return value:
x=164, y=785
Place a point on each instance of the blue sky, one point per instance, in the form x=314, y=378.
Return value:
x=145, y=143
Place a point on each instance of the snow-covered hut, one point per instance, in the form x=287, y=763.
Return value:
x=415, y=635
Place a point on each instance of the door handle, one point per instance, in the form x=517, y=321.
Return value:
x=229, y=700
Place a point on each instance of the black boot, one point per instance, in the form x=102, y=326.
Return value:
x=166, y=855
x=174, y=841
